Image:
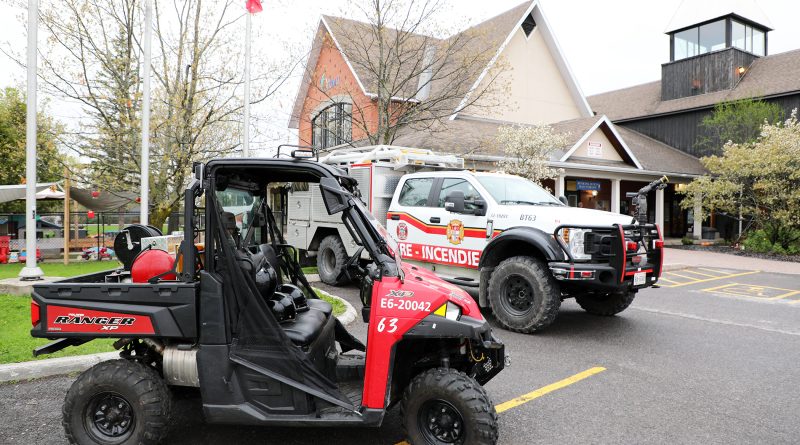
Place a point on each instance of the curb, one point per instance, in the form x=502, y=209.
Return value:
x=64, y=365
x=350, y=313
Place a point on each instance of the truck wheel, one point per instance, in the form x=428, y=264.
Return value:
x=330, y=260
x=523, y=294
x=117, y=402
x=606, y=304
x=445, y=406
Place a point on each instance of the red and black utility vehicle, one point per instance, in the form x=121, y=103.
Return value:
x=236, y=318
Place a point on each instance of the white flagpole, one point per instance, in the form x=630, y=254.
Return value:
x=31, y=271
x=144, y=198
x=246, y=141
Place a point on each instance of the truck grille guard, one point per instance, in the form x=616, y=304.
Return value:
x=628, y=249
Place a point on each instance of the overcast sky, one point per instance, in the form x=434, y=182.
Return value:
x=609, y=44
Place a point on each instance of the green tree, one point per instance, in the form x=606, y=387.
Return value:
x=738, y=121
x=12, y=147
x=760, y=178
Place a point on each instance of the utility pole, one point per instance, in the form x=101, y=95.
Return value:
x=144, y=198
x=31, y=271
x=66, y=216
x=246, y=129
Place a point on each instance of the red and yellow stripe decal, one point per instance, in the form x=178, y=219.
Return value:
x=469, y=232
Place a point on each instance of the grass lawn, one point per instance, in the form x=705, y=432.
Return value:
x=310, y=270
x=338, y=306
x=74, y=268
x=16, y=343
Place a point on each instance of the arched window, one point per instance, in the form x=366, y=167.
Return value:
x=332, y=126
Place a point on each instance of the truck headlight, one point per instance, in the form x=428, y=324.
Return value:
x=449, y=310
x=576, y=244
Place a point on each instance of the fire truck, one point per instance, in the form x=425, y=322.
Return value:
x=513, y=246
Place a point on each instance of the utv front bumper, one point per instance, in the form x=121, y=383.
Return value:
x=485, y=350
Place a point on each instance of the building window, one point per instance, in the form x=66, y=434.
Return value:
x=700, y=40
x=747, y=38
x=332, y=126
x=528, y=25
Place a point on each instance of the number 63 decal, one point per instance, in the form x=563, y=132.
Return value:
x=392, y=325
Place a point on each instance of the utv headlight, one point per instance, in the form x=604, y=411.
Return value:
x=449, y=310
x=576, y=244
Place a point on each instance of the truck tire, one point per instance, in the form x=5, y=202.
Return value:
x=117, y=402
x=330, y=260
x=606, y=304
x=445, y=406
x=523, y=294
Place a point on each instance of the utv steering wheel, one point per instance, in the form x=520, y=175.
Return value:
x=352, y=263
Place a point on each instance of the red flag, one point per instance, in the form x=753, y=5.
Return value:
x=254, y=6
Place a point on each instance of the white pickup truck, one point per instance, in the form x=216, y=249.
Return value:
x=512, y=245
x=519, y=250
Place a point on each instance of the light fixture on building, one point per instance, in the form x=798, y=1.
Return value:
x=680, y=187
x=594, y=192
x=741, y=70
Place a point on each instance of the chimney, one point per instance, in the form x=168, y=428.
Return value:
x=424, y=83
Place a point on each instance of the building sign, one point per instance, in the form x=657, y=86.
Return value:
x=587, y=185
x=595, y=149
x=326, y=83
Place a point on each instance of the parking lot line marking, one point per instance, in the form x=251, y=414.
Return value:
x=513, y=403
x=787, y=294
x=667, y=279
x=716, y=278
x=699, y=273
x=682, y=276
x=713, y=270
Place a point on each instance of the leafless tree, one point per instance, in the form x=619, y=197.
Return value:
x=93, y=58
x=416, y=72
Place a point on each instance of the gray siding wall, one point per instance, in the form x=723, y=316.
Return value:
x=682, y=130
x=702, y=74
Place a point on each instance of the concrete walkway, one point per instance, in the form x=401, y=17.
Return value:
x=676, y=258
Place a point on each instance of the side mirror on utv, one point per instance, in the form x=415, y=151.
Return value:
x=454, y=202
x=563, y=200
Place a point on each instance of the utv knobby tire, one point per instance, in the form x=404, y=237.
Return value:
x=606, y=304
x=454, y=390
x=543, y=295
x=145, y=392
x=331, y=258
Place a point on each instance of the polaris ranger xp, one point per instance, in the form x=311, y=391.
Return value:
x=233, y=315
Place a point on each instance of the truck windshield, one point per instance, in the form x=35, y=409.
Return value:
x=515, y=190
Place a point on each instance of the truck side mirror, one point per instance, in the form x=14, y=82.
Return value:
x=480, y=207
x=454, y=202
x=563, y=200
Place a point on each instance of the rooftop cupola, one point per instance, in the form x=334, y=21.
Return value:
x=712, y=44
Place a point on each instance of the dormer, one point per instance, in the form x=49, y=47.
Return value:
x=712, y=44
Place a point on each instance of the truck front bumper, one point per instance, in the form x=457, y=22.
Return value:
x=604, y=276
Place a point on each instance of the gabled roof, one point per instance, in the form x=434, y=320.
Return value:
x=352, y=38
x=773, y=75
x=510, y=21
x=470, y=137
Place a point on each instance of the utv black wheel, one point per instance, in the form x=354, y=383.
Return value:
x=117, y=402
x=523, y=294
x=606, y=304
x=331, y=258
x=444, y=406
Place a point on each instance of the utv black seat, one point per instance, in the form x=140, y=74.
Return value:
x=306, y=327
x=320, y=305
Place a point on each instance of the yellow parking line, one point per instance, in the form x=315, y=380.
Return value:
x=699, y=273
x=713, y=270
x=787, y=294
x=682, y=276
x=667, y=279
x=712, y=289
x=715, y=279
x=515, y=402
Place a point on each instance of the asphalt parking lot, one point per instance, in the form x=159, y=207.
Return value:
x=710, y=357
